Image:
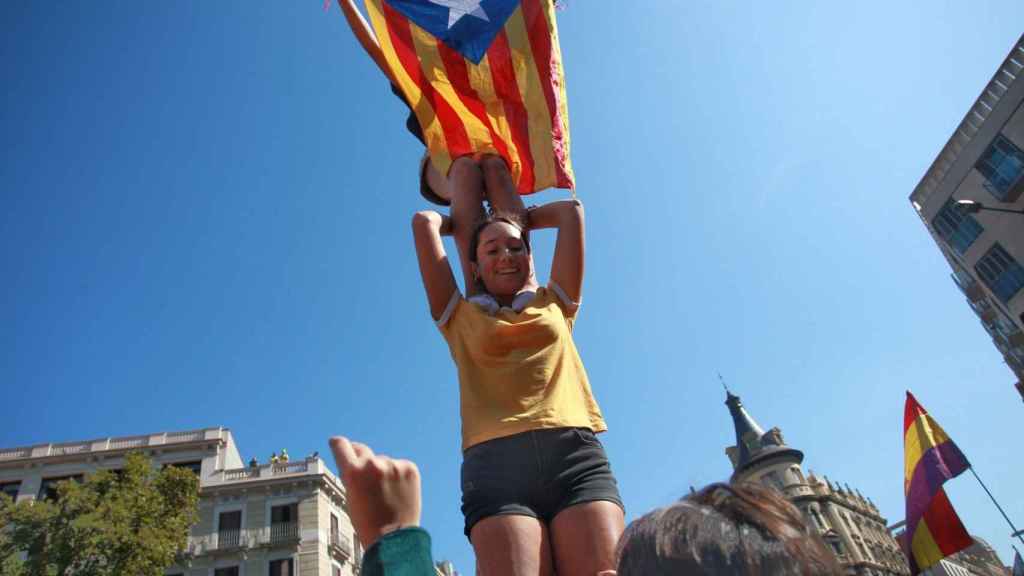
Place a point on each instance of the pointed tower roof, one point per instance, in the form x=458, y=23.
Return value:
x=753, y=445
x=747, y=428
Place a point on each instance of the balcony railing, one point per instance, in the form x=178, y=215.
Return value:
x=227, y=539
x=340, y=544
x=104, y=444
x=232, y=540
x=282, y=532
x=267, y=470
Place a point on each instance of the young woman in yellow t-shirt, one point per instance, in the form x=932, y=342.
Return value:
x=538, y=493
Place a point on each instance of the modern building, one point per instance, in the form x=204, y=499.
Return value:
x=270, y=519
x=967, y=198
x=850, y=523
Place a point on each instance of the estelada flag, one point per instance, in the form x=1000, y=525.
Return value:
x=483, y=77
x=934, y=530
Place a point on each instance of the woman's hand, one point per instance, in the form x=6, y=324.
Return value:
x=383, y=493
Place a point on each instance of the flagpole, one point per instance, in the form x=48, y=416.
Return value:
x=1000, y=508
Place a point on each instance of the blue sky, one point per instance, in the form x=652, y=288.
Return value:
x=206, y=213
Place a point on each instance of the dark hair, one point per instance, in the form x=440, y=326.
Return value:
x=494, y=217
x=743, y=529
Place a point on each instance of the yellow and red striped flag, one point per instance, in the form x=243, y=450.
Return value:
x=483, y=77
x=934, y=530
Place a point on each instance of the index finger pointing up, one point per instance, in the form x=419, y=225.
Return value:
x=344, y=454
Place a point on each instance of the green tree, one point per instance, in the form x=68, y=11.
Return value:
x=132, y=521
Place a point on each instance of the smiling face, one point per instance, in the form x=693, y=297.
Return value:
x=502, y=260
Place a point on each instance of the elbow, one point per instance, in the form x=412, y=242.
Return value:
x=420, y=218
x=424, y=221
x=574, y=211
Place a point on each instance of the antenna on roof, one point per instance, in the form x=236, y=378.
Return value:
x=722, y=380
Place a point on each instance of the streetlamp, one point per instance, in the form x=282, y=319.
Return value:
x=973, y=207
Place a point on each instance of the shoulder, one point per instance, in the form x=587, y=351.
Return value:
x=555, y=293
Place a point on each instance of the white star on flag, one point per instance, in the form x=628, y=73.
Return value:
x=457, y=9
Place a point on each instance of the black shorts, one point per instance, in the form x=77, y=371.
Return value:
x=537, y=473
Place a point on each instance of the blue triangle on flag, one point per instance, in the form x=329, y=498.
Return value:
x=466, y=26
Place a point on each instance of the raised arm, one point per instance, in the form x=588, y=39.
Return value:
x=427, y=228
x=363, y=33
x=567, y=263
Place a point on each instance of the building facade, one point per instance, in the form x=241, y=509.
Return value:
x=980, y=168
x=979, y=559
x=848, y=522
x=272, y=519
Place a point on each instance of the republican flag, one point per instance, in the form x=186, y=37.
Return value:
x=483, y=76
x=934, y=531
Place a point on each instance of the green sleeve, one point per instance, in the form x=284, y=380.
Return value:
x=404, y=552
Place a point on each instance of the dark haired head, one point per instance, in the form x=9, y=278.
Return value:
x=743, y=529
x=494, y=217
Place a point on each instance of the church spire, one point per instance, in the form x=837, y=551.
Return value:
x=748, y=432
x=754, y=447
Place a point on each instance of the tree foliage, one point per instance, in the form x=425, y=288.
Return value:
x=131, y=521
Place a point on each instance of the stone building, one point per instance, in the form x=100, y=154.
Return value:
x=269, y=519
x=967, y=200
x=978, y=559
x=850, y=523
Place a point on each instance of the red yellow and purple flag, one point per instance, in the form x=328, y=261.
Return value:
x=482, y=76
x=934, y=530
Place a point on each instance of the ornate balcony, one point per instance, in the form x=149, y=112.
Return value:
x=111, y=444
x=341, y=546
x=269, y=470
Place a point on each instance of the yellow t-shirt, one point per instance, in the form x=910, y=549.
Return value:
x=518, y=371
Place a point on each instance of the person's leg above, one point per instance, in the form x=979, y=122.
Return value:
x=504, y=197
x=467, y=194
x=584, y=537
x=511, y=545
x=501, y=191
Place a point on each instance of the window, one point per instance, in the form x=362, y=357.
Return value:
x=284, y=514
x=335, y=570
x=48, y=488
x=11, y=489
x=229, y=571
x=958, y=228
x=282, y=567
x=833, y=540
x=1001, y=165
x=335, y=534
x=284, y=522
x=819, y=518
x=229, y=529
x=196, y=467
x=1001, y=273
x=799, y=475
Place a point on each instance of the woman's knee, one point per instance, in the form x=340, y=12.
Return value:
x=465, y=183
x=463, y=167
x=512, y=545
x=493, y=166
